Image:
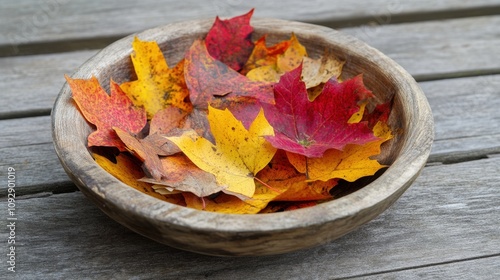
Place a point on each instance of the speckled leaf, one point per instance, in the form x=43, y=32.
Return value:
x=311, y=128
x=238, y=154
x=106, y=111
x=263, y=55
x=157, y=85
x=208, y=79
x=350, y=164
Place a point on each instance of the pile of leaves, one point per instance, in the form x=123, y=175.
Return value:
x=236, y=126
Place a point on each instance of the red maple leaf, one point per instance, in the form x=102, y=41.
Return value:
x=311, y=128
x=230, y=40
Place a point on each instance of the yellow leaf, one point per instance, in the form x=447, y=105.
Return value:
x=285, y=62
x=266, y=73
x=128, y=171
x=350, y=164
x=238, y=154
x=156, y=86
x=292, y=57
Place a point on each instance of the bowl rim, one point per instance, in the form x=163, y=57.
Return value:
x=85, y=172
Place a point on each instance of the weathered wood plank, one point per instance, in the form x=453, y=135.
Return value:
x=439, y=49
x=483, y=268
x=452, y=47
x=466, y=116
x=30, y=84
x=25, y=131
x=38, y=22
x=37, y=167
x=456, y=219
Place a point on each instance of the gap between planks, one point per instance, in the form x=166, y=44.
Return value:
x=383, y=18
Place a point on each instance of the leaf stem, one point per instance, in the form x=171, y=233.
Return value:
x=265, y=184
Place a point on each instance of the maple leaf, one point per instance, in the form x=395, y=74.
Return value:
x=350, y=164
x=157, y=85
x=238, y=154
x=182, y=175
x=311, y=128
x=212, y=82
x=126, y=170
x=230, y=41
x=207, y=78
x=289, y=60
x=106, y=111
x=264, y=56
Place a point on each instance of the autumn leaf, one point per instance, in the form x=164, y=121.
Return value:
x=157, y=85
x=208, y=78
x=230, y=41
x=285, y=62
x=238, y=154
x=182, y=175
x=350, y=164
x=311, y=128
x=106, y=111
x=144, y=151
x=126, y=170
x=291, y=185
x=264, y=56
x=319, y=71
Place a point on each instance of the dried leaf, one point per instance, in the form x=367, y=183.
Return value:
x=106, y=111
x=230, y=41
x=350, y=164
x=182, y=175
x=311, y=128
x=238, y=154
x=157, y=85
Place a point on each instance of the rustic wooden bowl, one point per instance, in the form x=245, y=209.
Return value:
x=263, y=234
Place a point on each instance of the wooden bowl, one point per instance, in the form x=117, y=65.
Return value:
x=262, y=234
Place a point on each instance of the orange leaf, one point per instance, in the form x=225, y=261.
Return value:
x=106, y=111
x=263, y=55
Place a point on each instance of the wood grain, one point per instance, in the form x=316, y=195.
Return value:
x=454, y=217
x=439, y=49
x=61, y=21
x=436, y=58
x=30, y=83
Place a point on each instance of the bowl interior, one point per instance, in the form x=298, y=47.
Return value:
x=223, y=234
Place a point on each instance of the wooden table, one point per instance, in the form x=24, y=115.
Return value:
x=447, y=225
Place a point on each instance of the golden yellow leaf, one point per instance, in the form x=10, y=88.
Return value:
x=157, y=85
x=350, y=164
x=292, y=57
x=238, y=153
